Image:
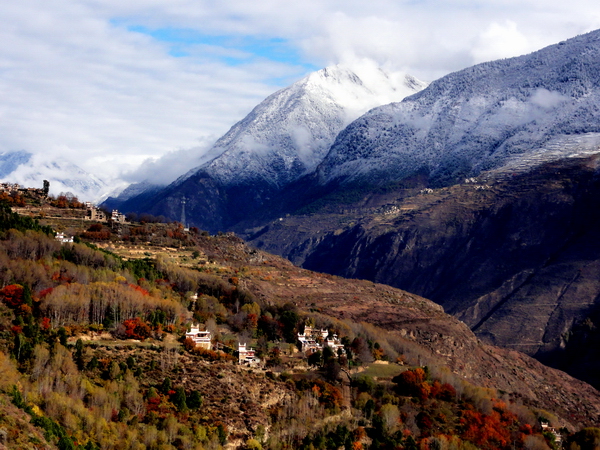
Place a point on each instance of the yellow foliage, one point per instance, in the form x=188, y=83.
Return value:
x=36, y=409
x=251, y=308
x=253, y=444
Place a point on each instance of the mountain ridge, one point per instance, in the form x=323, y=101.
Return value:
x=295, y=126
x=282, y=139
x=475, y=119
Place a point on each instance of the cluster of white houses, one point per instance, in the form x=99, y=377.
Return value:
x=557, y=436
x=92, y=211
x=96, y=214
x=9, y=187
x=63, y=238
x=202, y=339
x=310, y=341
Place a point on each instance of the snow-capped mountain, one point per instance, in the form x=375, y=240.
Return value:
x=285, y=137
x=289, y=133
x=30, y=170
x=502, y=115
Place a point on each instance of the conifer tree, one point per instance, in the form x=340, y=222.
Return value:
x=179, y=399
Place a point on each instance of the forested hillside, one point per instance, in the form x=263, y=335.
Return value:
x=94, y=355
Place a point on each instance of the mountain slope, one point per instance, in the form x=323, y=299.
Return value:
x=130, y=389
x=519, y=110
x=290, y=132
x=283, y=138
x=520, y=238
x=437, y=335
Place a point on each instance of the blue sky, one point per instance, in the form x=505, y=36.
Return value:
x=109, y=84
x=233, y=50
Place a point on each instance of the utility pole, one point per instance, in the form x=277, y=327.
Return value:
x=183, y=200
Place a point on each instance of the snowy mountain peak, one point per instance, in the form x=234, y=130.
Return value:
x=360, y=88
x=290, y=132
x=335, y=74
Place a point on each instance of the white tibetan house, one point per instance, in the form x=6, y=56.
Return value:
x=201, y=338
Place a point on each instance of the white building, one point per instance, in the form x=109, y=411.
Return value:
x=118, y=217
x=201, y=338
x=308, y=343
x=311, y=338
x=246, y=355
x=334, y=344
x=63, y=239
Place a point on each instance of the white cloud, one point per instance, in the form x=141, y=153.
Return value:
x=171, y=165
x=74, y=85
x=63, y=175
x=546, y=99
x=77, y=82
x=502, y=41
x=303, y=139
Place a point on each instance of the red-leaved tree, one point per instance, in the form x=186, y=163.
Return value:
x=136, y=328
x=12, y=295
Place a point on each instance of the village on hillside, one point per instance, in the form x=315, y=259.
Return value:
x=311, y=342
x=38, y=203
x=183, y=295
x=63, y=210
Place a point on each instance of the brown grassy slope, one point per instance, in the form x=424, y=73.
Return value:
x=233, y=395
x=443, y=339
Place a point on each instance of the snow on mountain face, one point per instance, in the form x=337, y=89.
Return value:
x=290, y=132
x=30, y=170
x=9, y=161
x=507, y=113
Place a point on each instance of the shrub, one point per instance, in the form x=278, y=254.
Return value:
x=253, y=444
x=136, y=328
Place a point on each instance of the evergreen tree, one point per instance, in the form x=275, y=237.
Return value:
x=166, y=385
x=195, y=400
x=62, y=336
x=78, y=357
x=179, y=399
